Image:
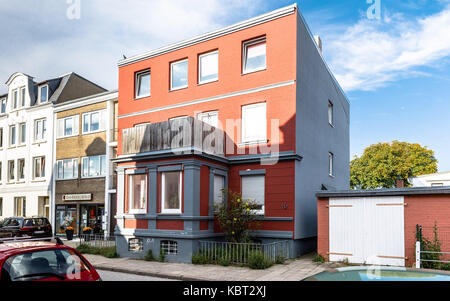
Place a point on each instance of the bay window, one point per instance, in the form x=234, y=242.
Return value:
x=171, y=189
x=137, y=193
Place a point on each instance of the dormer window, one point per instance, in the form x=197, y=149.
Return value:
x=15, y=99
x=3, y=106
x=22, y=96
x=43, y=94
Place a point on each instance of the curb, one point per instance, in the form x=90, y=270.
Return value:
x=150, y=274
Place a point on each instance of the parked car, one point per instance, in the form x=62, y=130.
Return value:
x=26, y=227
x=34, y=260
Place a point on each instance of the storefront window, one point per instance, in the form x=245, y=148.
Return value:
x=92, y=216
x=66, y=216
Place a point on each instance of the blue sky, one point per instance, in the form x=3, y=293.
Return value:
x=395, y=70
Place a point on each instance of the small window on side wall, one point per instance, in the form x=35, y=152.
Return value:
x=169, y=247
x=331, y=164
x=143, y=84
x=254, y=55
x=330, y=113
x=135, y=245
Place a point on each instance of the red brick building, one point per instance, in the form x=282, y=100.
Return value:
x=251, y=107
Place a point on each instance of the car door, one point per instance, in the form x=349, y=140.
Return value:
x=11, y=228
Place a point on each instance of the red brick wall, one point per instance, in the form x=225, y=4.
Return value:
x=425, y=210
x=136, y=224
x=323, y=226
x=169, y=225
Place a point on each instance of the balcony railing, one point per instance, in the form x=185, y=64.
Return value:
x=184, y=133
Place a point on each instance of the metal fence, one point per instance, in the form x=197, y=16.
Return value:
x=238, y=253
x=97, y=240
x=433, y=247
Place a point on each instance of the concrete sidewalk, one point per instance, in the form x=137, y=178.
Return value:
x=293, y=270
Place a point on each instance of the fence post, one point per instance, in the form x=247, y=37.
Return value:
x=418, y=255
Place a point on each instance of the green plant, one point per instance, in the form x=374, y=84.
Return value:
x=319, y=258
x=224, y=261
x=431, y=246
x=149, y=256
x=200, y=258
x=108, y=252
x=280, y=259
x=236, y=216
x=257, y=261
x=162, y=255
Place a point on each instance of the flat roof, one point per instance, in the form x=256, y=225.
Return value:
x=384, y=192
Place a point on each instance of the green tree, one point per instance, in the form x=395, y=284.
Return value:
x=383, y=163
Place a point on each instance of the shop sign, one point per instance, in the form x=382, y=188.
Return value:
x=77, y=197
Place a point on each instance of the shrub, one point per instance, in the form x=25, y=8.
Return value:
x=319, y=258
x=109, y=252
x=224, y=262
x=149, y=256
x=257, y=261
x=200, y=258
x=162, y=255
x=280, y=259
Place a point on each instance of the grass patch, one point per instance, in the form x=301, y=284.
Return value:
x=149, y=256
x=109, y=252
x=319, y=258
x=257, y=261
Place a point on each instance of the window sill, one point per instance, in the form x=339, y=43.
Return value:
x=170, y=213
x=94, y=132
x=178, y=89
x=208, y=82
x=250, y=143
x=38, y=180
x=39, y=142
x=21, y=182
x=142, y=97
x=61, y=180
x=64, y=137
x=21, y=145
x=96, y=177
x=253, y=71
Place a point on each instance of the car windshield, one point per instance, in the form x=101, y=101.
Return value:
x=58, y=263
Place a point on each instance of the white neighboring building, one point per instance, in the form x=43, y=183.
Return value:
x=26, y=140
x=431, y=180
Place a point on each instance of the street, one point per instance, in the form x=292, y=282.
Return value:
x=115, y=276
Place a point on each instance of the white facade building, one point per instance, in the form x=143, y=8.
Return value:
x=26, y=141
x=431, y=180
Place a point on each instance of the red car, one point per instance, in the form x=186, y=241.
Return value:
x=34, y=260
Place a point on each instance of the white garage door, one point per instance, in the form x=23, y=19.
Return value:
x=367, y=230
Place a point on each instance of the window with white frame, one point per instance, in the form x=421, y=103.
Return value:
x=1, y=137
x=94, y=122
x=3, y=106
x=22, y=96
x=15, y=99
x=1, y=206
x=21, y=169
x=20, y=208
x=179, y=75
x=39, y=167
x=208, y=67
x=169, y=247
x=68, y=126
x=143, y=84
x=211, y=118
x=219, y=186
x=253, y=188
x=94, y=166
x=171, y=188
x=254, y=55
x=40, y=129
x=12, y=135
x=137, y=193
x=254, y=123
x=331, y=164
x=43, y=94
x=22, y=133
x=67, y=169
x=11, y=171
x=330, y=112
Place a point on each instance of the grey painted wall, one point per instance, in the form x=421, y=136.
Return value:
x=315, y=138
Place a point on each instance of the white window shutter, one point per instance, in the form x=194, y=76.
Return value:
x=253, y=188
x=254, y=123
x=219, y=185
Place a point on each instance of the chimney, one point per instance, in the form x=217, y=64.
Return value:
x=399, y=183
x=318, y=42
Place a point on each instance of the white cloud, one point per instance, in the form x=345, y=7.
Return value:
x=370, y=54
x=43, y=42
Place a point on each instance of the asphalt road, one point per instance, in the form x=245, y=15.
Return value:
x=114, y=276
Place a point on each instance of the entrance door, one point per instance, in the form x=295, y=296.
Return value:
x=367, y=230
